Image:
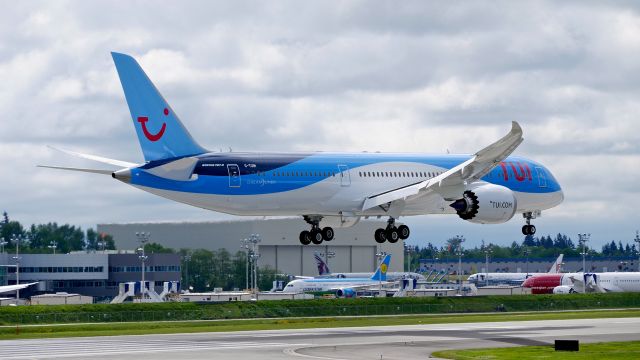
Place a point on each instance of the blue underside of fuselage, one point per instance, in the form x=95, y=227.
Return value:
x=276, y=173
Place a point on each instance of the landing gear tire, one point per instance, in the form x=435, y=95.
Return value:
x=305, y=238
x=380, y=236
x=528, y=230
x=327, y=234
x=316, y=236
x=404, y=232
x=392, y=235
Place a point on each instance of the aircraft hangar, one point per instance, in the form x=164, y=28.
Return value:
x=355, y=249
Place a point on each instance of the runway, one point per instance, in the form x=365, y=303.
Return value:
x=381, y=342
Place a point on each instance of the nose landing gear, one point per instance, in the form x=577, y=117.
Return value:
x=392, y=233
x=315, y=235
x=529, y=229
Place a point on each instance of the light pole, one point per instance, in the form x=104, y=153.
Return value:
x=16, y=239
x=380, y=257
x=487, y=253
x=637, y=240
x=409, y=249
x=244, y=244
x=186, y=259
x=2, y=244
x=251, y=247
x=53, y=245
x=459, y=240
x=143, y=238
x=526, y=254
x=583, y=238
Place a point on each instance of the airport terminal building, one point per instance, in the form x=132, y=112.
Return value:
x=355, y=248
x=89, y=273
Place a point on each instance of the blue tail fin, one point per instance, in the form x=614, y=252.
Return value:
x=160, y=132
x=381, y=273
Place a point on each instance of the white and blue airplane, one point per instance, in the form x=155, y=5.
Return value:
x=326, y=189
x=325, y=272
x=342, y=287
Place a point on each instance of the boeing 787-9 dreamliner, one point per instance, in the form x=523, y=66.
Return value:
x=326, y=189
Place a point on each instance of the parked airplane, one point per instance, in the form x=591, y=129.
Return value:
x=342, y=287
x=584, y=282
x=327, y=189
x=324, y=272
x=513, y=278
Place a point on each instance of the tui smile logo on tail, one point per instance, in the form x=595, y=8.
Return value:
x=152, y=137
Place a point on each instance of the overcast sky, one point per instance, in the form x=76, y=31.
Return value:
x=339, y=76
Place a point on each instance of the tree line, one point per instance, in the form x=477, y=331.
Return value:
x=204, y=270
x=533, y=247
x=50, y=237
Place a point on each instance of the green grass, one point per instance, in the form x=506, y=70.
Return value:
x=140, y=328
x=609, y=350
x=179, y=311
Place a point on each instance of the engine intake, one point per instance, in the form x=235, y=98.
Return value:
x=486, y=204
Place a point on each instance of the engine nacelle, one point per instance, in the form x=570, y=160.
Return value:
x=486, y=204
x=563, y=289
x=346, y=292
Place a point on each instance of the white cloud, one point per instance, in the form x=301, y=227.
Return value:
x=356, y=75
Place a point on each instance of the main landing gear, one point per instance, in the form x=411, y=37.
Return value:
x=392, y=233
x=315, y=235
x=528, y=229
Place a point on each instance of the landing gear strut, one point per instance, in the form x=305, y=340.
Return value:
x=529, y=229
x=315, y=235
x=392, y=233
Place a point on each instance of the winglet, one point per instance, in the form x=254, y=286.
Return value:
x=503, y=147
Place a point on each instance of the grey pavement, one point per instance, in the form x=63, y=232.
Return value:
x=380, y=342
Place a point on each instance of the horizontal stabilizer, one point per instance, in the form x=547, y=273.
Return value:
x=95, y=171
x=101, y=159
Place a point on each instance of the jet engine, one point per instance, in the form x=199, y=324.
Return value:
x=563, y=289
x=346, y=292
x=486, y=204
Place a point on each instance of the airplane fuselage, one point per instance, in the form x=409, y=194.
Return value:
x=333, y=183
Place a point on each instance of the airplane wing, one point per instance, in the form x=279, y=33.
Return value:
x=9, y=288
x=449, y=183
x=363, y=286
x=587, y=283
